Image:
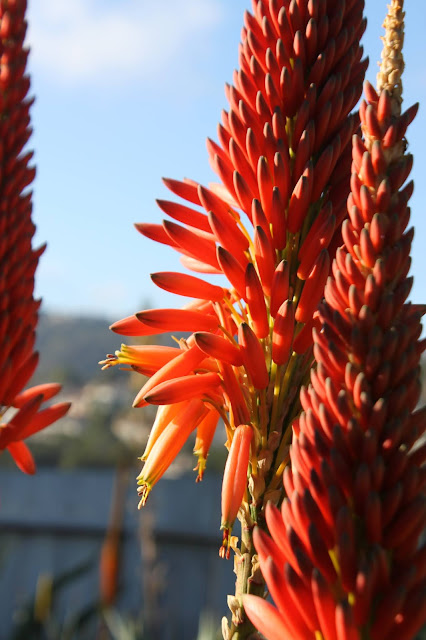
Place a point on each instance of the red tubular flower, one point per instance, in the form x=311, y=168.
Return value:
x=168, y=445
x=269, y=223
x=235, y=481
x=18, y=260
x=283, y=159
x=345, y=547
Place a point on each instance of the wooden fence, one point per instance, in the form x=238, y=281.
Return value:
x=170, y=570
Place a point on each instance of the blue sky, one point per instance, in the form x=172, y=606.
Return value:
x=127, y=92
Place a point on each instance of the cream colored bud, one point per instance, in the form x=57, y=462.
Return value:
x=264, y=460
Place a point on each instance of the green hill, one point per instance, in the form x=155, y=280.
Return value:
x=70, y=348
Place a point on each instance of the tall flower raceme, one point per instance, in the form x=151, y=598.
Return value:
x=18, y=260
x=283, y=160
x=343, y=561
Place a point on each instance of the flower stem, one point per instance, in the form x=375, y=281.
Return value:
x=249, y=580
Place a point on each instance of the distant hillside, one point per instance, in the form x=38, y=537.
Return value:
x=71, y=346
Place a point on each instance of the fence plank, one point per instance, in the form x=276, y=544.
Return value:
x=57, y=519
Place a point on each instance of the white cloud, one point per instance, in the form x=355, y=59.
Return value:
x=82, y=41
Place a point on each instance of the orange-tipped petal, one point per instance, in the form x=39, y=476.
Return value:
x=300, y=200
x=232, y=388
x=22, y=456
x=313, y=245
x=313, y=288
x=277, y=529
x=47, y=390
x=221, y=192
x=185, y=285
x=219, y=348
x=43, y=418
x=212, y=202
x=232, y=270
x=193, y=242
x=131, y=326
x=229, y=236
x=303, y=340
x=256, y=302
x=164, y=320
x=325, y=605
x=254, y=356
x=266, y=618
x=278, y=220
x=198, y=266
x=282, y=336
x=280, y=287
x=235, y=477
x=265, y=258
x=281, y=595
x=184, y=388
x=186, y=215
x=155, y=232
x=186, y=190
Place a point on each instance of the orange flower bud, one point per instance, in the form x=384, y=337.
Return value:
x=234, y=482
x=22, y=456
x=229, y=235
x=185, y=214
x=186, y=285
x=155, y=232
x=233, y=271
x=232, y=388
x=164, y=320
x=219, y=348
x=254, y=357
x=186, y=190
x=212, y=202
x=280, y=287
x=265, y=258
x=282, y=336
x=185, y=362
x=183, y=388
x=193, y=242
x=313, y=288
x=266, y=618
x=256, y=302
x=47, y=390
x=300, y=200
x=131, y=326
